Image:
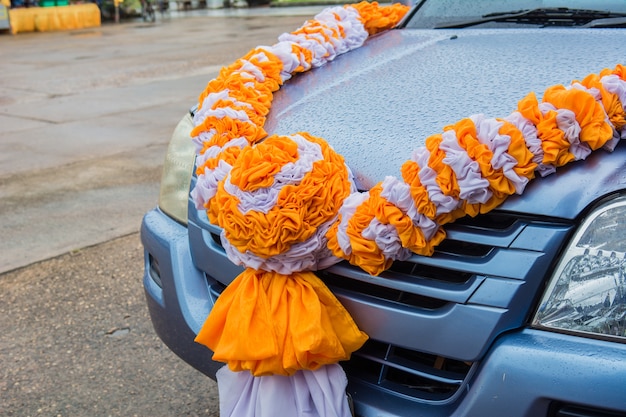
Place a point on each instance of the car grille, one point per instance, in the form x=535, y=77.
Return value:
x=430, y=319
x=408, y=372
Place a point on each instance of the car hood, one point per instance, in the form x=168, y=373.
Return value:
x=376, y=104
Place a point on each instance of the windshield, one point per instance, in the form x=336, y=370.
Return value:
x=513, y=13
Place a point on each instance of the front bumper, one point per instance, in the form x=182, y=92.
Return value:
x=176, y=292
x=526, y=373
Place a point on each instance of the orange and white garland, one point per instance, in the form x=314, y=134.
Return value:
x=287, y=205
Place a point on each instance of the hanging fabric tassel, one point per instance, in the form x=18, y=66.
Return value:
x=320, y=393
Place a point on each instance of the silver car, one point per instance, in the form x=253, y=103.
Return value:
x=520, y=311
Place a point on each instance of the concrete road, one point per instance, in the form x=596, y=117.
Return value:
x=85, y=118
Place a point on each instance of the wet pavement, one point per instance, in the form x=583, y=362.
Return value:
x=85, y=118
x=86, y=115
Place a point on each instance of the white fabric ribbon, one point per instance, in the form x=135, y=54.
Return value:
x=386, y=238
x=487, y=132
x=290, y=61
x=533, y=143
x=206, y=183
x=248, y=69
x=347, y=210
x=428, y=177
x=398, y=193
x=210, y=100
x=473, y=187
x=319, y=393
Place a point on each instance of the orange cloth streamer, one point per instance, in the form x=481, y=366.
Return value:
x=410, y=174
x=555, y=145
x=273, y=324
x=610, y=102
x=364, y=252
x=377, y=19
x=594, y=130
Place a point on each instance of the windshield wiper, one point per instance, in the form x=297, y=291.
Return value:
x=561, y=16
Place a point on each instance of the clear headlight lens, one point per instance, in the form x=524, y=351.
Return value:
x=587, y=293
x=177, y=172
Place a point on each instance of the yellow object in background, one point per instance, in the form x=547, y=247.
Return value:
x=43, y=19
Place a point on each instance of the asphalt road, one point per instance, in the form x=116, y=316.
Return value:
x=85, y=117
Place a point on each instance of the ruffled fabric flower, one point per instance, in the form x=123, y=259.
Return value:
x=590, y=115
x=279, y=193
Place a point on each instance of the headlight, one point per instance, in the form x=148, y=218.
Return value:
x=587, y=293
x=177, y=171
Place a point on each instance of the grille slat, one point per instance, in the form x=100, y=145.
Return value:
x=417, y=370
x=414, y=374
x=558, y=409
x=402, y=288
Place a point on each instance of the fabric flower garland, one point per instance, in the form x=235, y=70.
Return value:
x=474, y=165
x=287, y=206
x=277, y=326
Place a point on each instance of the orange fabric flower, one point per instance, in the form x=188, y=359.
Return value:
x=410, y=175
x=595, y=131
x=273, y=324
x=257, y=166
x=377, y=19
x=553, y=142
x=610, y=102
